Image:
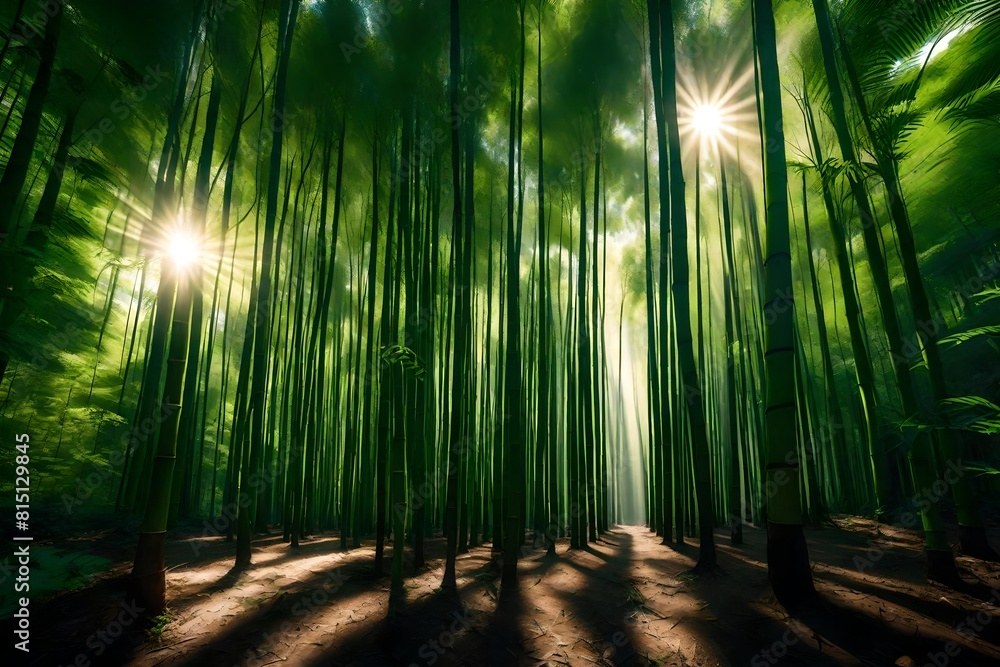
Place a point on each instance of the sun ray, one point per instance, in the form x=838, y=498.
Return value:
x=718, y=113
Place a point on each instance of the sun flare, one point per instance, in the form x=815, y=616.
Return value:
x=716, y=115
x=182, y=248
x=707, y=121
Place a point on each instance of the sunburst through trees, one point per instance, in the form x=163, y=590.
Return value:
x=421, y=331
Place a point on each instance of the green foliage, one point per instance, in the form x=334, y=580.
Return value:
x=982, y=469
x=405, y=357
x=971, y=334
x=80, y=351
x=972, y=413
x=987, y=295
x=159, y=624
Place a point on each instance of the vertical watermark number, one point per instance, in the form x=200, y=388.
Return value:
x=22, y=515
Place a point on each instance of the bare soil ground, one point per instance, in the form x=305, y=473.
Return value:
x=627, y=600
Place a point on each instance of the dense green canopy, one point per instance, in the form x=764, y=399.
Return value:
x=318, y=264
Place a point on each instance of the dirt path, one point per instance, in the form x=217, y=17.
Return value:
x=624, y=601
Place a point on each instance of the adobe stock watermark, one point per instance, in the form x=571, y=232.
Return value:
x=122, y=108
x=773, y=654
x=922, y=501
x=474, y=101
x=47, y=10
x=153, y=77
x=100, y=641
x=970, y=628
x=431, y=651
x=381, y=16
x=87, y=484
x=986, y=271
x=59, y=340
x=229, y=513
x=306, y=603
x=417, y=494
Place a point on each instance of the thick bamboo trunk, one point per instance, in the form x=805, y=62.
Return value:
x=787, y=556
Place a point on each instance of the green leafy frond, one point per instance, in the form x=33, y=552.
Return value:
x=981, y=468
x=406, y=357
x=987, y=295
x=971, y=334
x=972, y=413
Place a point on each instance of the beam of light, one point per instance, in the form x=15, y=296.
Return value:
x=715, y=117
x=937, y=46
x=929, y=51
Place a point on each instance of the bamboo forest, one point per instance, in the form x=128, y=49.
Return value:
x=500, y=332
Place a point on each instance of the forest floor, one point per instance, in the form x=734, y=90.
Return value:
x=627, y=600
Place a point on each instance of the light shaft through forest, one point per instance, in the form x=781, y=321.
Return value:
x=467, y=296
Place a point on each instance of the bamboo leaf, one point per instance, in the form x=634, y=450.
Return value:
x=973, y=413
x=971, y=334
